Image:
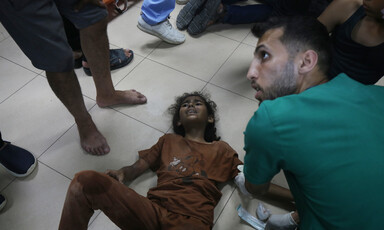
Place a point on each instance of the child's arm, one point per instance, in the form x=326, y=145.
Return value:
x=129, y=173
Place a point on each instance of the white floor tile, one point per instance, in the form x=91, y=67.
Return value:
x=198, y=57
x=13, y=78
x=35, y=202
x=125, y=137
x=34, y=118
x=233, y=74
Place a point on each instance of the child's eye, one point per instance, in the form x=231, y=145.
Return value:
x=184, y=105
x=198, y=103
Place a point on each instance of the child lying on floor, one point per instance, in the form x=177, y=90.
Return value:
x=188, y=164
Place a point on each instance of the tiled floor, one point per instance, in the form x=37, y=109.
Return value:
x=32, y=117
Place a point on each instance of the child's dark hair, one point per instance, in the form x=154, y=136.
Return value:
x=210, y=130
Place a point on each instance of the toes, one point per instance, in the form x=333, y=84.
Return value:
x=127, y=52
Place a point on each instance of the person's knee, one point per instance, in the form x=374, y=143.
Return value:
x=92, y=182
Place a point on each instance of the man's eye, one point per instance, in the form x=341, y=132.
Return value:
x=264, y=55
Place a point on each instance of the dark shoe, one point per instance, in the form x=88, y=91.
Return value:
x=3, y=202
x=117, y=59
x=17, y=161
x=188, y=12
x=201, y=20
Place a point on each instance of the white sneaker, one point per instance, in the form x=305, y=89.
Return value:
x=163, y=30
x=182, y=2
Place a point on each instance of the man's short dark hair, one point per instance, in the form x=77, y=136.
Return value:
x=300, y=33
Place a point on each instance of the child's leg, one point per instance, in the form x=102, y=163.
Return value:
x=174, y=221
x=90, y=190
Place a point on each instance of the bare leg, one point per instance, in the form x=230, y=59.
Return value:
x=66, y=87
x=94, y=42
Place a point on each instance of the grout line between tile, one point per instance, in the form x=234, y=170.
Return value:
x=22, y=66
x=232, y=92
x=222, y=210
x=37, y=75
x=177, y=70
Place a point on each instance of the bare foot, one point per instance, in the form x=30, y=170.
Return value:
x=129, y=97
x=92, y=141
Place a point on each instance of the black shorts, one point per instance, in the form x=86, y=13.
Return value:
x=37, y=27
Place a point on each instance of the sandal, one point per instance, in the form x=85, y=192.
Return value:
x=117, y=59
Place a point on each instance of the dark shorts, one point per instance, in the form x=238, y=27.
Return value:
x=37, y=27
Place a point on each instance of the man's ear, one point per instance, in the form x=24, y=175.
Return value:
x=211, y=119
x=308, y=61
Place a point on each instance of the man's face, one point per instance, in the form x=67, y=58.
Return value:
x=272, y=73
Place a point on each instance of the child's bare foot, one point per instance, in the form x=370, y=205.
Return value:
x=129, y=97
x=92, y=141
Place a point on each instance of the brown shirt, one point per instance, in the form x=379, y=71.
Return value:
x=187, y=174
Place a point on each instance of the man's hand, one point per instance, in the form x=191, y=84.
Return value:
x=116, y=174
x=81, y=3
x=276, y=221
x=240, y=181
x=281, y=222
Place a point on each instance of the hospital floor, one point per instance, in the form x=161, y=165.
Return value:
x=32, y=117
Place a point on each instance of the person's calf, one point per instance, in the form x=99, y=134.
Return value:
x=67, y=88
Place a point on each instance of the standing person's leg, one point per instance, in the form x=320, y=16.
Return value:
x=94, y=41
x=67, y=88
x=37, y=28
x=154, y=20
x=90, y=190
x=92, y=23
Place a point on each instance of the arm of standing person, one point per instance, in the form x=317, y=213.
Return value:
x=337, y=12
x=129, y=173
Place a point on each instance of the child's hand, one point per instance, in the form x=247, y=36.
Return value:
x=116, y=174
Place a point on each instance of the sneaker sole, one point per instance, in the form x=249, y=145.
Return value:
x=188, y=12
x=159, y=35
x=29, y=171
x=2, y=205
x=200, y=21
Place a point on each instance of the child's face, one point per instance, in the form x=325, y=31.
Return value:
x=194, y=109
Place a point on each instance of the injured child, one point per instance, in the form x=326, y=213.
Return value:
x=189, y=164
